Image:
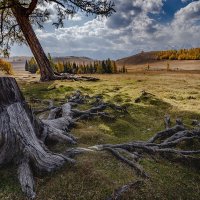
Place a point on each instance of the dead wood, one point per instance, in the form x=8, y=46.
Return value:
x=24, y=137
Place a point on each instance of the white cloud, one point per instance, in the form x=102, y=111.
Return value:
x=128, y=31
x=190, y=12
x=153, y=6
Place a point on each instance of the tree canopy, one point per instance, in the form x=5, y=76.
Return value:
x=19, y=16
x=182, y=54
x=39, y=11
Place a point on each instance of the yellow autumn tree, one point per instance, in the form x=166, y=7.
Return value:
x=182, y=54
x=60, y=67
x=6, y=67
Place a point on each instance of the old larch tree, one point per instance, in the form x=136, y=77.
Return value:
x=17, y=18
x=24, y=135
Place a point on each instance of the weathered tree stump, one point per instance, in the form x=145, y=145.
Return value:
x=23, y=136
x=19, y=137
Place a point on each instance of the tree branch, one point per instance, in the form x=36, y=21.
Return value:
x=31, y=7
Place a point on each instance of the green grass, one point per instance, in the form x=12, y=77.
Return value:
x=96, y=176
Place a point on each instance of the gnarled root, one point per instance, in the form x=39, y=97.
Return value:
x=117, y=194
x=164, y=144
x=23, y=136
x=26, y=179
x=73, y=77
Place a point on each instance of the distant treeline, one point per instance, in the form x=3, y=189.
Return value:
x=97, y=67
x=31, y=66
x=182, y=54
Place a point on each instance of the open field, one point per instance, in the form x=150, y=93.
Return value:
x=96, y=176
x=188, y=65
x=142, y=60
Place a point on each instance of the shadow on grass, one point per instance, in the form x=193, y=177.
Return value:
x=95, y=176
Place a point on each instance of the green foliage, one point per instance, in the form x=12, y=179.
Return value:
x=26, y=66
x=98, y=67
x=31, y=66
x=53, y=65
x=182, y=54
x=123, y=70
x=59, y=67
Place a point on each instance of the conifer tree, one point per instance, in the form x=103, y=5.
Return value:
x=26, y=66
x=18, y=18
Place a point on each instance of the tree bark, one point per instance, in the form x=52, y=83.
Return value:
x=46, y=70
x=23, y=136
x=20, y=140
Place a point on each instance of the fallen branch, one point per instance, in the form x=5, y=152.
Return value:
x=125, y=188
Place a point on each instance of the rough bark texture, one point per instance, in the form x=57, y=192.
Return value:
x=19, y=137
x=117, y=194
x=46, y=71
x=23, y=137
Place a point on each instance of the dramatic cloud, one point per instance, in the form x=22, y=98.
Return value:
x=190, y=12
x=137, y=25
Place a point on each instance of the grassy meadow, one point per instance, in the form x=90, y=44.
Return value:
x=96, y=175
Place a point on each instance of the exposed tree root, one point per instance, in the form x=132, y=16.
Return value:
x=125, y=188
x=66, y=76
x=164, y=144
x=23, y=137
x=26, y=180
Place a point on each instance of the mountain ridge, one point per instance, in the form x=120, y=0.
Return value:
x=138, y=59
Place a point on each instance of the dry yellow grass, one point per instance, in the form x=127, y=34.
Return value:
x=177, y=65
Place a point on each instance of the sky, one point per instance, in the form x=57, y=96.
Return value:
x=137, y=25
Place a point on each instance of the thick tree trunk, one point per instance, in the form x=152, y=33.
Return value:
x=19, y=137
x=23, y=137
x=46, y=70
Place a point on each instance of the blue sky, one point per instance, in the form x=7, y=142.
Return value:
x=170, y=7
x=137, y=25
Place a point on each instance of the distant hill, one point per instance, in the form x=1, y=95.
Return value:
x=76, y=59
x=141, y=60
x=157, y=56
x=138, y=59
x=185, y=59
x=18, y=62
x=18, y=58
x=71, y=59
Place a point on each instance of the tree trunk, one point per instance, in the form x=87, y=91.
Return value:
x=23, y=137
x=19, y=137
x=46, y=70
